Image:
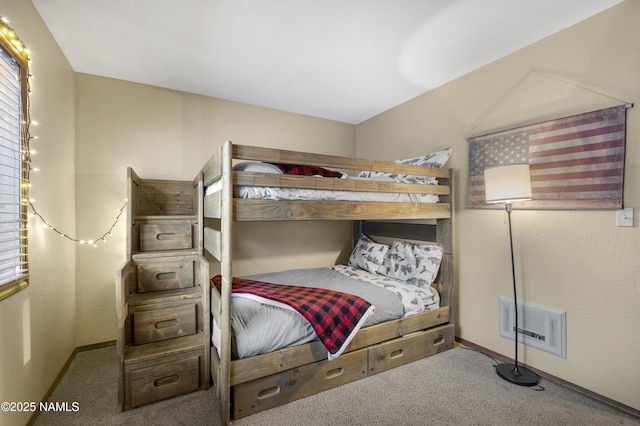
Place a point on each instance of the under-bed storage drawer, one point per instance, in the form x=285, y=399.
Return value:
x=166, y=235
x=165, y=276
x=271, y=391
x=412, y=347
x=167, y=323
x=167, y=378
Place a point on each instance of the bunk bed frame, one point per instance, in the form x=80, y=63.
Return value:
x=250, y=385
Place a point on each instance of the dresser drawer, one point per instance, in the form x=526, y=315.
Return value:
x=165, y=236
x=164, y=380
x=166, y=323
x=165, y=276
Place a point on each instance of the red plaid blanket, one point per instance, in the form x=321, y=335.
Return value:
x=335, y=317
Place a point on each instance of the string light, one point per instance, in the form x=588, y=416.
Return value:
x=18, y=48
x=11, y=37
x=93, y=243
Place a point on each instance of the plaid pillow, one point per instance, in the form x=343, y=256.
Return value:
x=297, y=169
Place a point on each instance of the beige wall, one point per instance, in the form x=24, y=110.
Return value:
x=577, y=261
x=38, y=325
x=168, y=135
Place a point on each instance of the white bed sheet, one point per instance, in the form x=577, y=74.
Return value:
x=277, y=193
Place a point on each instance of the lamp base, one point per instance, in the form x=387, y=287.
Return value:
x=518, y=375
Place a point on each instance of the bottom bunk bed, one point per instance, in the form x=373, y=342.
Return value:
x=267, y=380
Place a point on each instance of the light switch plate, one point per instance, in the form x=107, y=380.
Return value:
x=624, y=217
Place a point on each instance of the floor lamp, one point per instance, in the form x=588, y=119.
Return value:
x=508, y=184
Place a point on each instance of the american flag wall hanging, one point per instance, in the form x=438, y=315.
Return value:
x=576, y=162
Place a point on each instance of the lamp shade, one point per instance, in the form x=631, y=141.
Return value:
x=505, y=184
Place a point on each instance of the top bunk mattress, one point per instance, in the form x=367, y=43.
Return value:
x=284, y=193
x=260, y=192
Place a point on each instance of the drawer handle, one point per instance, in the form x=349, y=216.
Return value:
x=166, y=324
x=166, y=236
x=163, y=381
x=397, y=354
x=334, y=373
x=268, y=393
x=438, y=340
x=166, y=276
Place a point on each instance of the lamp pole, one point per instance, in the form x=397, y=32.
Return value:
x=513, y=372
x=506, y=184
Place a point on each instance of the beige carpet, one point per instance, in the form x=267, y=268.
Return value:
x=457, y=387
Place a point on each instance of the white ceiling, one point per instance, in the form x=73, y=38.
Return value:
x=345, y=60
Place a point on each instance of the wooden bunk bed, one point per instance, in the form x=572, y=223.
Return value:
x=247, y=386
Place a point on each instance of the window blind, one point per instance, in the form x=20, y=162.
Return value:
x=13, y=178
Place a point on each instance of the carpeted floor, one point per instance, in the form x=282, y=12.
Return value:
x=457, y=387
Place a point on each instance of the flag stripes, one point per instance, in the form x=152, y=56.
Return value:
x=576, y=162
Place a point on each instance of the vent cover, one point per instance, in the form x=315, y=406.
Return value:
x=538, y=326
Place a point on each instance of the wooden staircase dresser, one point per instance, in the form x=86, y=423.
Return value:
x=162, y=294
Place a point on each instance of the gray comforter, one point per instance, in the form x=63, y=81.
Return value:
x=261, y=328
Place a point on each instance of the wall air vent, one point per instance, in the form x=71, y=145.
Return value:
x=538, y=326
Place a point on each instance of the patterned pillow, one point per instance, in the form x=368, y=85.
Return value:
x=435, y=159
x=414, y=263
x=368, y=255
x=399, y=177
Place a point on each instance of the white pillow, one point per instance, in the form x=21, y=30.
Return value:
x=254, y=166
x=368, y=255
x=415, y=263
